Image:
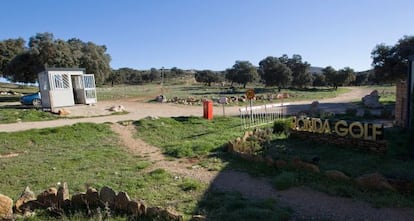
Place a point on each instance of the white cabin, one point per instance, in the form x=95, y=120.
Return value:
x=63, y=87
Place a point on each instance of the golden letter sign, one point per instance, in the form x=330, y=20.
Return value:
x=366, y=131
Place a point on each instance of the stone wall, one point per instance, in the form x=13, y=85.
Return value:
x=103, y=204
x=379, y=146
x=401, y=104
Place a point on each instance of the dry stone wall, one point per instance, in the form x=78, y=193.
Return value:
x=58, y=203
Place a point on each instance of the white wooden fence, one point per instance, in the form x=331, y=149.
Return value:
x=261, y=115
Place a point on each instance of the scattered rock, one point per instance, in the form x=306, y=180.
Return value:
x=372, y=100
x=25, y=197
x=108, y=196
x=121, y=201
x=151, y=117
x=198, y=218
x=63, y=112
x=6, y=207
x=374, y=181
x=161, y=98
x=117, y=109
x=158, y=213
x=336, y=175
x=298, y=164
x=314, y=108
x=280, y=164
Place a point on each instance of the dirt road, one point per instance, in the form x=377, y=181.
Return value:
x=139, y=110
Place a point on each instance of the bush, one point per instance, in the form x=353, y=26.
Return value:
x=285, y=180
x=189, y=184
x=282, y=126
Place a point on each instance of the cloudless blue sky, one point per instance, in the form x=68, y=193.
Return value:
x=213, y=34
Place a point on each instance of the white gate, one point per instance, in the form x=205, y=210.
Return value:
x=261, y=115
x=89, y=88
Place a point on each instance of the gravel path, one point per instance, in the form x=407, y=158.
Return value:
x=139, y=110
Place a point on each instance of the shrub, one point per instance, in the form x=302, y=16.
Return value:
x=282, y=126
x=285, y=180
x=189, y=184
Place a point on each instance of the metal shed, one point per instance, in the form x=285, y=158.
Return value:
x=63, y=87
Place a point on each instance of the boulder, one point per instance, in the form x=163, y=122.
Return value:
x=107, y=196
x=92, y=198
x=161, y=98
x=117, y=109
x=298, y=164
x=48, y=198
x=6, y=207
x=154, y=212
x=372, y=100
x=63, y=112
x=171, y=215
x=198, y=218
x=136, y=208
x=121, y=201
x=374, y=181
x=314, y=108
x=25, y=197
x=336, y=175
x=158, y=213
x=246, y=135
x=78, y=201
x=63, y=196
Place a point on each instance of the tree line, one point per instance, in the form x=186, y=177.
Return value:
x=20, y=62
x=390, y=64
x=280, y=72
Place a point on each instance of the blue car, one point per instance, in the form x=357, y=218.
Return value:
x=31, y=99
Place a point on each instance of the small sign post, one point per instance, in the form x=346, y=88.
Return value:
x=250, y=95
x=223, y=101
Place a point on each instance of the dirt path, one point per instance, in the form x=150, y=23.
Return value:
x=183, y=167
x=139, y=110
x=307, y=203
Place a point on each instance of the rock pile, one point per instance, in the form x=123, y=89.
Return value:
x=372, y=100
x=191, y=100
x=58, y=203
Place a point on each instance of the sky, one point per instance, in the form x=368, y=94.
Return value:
x=213, y=34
